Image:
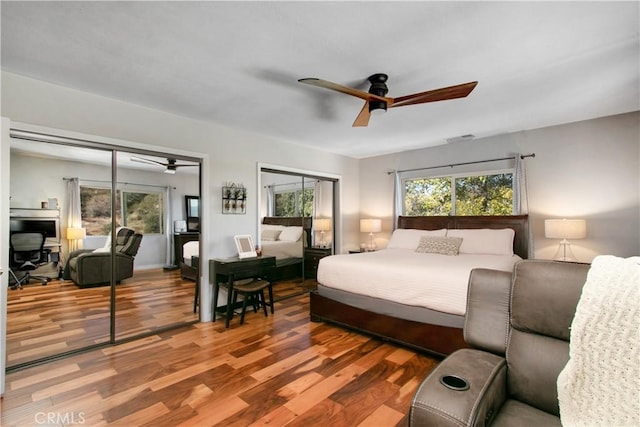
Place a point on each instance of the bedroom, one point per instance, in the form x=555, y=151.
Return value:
x=571, y=164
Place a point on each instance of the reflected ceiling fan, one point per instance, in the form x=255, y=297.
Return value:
x=376, y=98
x=171, y=165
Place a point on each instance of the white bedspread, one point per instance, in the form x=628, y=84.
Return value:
x=282, y=249
x=190, y=249
x=438, y=282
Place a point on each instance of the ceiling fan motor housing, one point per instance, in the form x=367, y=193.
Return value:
x=378, y=87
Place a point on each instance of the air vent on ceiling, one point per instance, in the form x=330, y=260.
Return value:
x=461, y=138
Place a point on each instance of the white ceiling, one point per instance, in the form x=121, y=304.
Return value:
x=237, y=63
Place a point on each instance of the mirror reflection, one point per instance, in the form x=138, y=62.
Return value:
x=146, y=267
x=296, y=226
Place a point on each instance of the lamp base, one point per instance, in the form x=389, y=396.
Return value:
x=565, y=253
x=372, y=243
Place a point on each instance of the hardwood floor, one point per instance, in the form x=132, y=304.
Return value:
x=276, y=370
x=47, y=320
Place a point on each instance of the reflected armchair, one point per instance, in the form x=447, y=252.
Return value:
x=93, y=267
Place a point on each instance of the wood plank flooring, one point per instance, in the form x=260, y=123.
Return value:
x=58, y=317
x=277, y=370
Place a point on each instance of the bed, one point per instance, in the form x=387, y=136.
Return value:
x=190, y=260
x=361, y=292
x=288, y=253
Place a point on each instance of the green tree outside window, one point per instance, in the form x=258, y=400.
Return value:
x=465, y=195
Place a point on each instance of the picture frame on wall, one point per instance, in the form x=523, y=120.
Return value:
x=192, y=208
x=234, y=199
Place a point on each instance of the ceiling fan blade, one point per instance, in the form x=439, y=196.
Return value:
x=344, y=89
x=180, y=165
x=148, y=161
x=363, y=118
x=442, y=94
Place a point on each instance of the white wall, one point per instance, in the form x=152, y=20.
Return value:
x=588, y=170
x=233, y=154
x=229, y=154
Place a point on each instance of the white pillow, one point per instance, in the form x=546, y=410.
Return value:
x=484, y=241
x=270, y=235
x=408, y=238
x=291, y=234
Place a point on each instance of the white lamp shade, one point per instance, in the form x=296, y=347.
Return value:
x=370, y=225
x=322, y=224
x=565, y=229
x=76, y=233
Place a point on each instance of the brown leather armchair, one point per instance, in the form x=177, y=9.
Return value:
x=91, y=268
x=517, y=326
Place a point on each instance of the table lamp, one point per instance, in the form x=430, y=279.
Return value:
x=322, y=225
x=371, y=226
x=565, y=229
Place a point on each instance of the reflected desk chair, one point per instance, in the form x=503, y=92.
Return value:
x=26, y=253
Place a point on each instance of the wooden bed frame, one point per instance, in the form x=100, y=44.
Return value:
x=289, y=271
x=434, y=339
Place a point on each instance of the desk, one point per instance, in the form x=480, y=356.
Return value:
x=228, y=270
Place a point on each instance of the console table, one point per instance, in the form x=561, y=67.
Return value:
x=228, y=270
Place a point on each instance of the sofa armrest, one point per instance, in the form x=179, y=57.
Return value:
x=94, y=268
x=66, y=273
x=435, y=404
x=486, y=324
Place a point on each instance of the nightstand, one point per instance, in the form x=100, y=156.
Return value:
x=312, y=257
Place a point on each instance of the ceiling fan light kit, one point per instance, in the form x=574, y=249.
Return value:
x=376, y=99
x=378, y=87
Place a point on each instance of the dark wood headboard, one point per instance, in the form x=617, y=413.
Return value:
x=519, y=224
x=289, y=221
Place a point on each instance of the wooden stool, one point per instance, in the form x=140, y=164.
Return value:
x=253, y=291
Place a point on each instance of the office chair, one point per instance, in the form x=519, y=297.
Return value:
x=26, y=253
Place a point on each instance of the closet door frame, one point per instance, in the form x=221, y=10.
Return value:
x=53, y=137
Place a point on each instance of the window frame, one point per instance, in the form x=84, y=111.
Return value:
x=452, y=186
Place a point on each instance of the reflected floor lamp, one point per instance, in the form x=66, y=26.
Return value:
x=371, y=226
x=75, y=235
x=565, y=229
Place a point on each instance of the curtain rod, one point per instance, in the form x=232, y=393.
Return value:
x=286, y=183
x=120, y=182
x=464, y=163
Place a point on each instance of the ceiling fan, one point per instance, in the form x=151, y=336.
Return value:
x=376, y=98
x=171, y=165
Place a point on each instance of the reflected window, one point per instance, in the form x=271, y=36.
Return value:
x=291, y=203
x=143, y=211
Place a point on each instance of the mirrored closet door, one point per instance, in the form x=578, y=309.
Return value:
x=296, y=225
x=160, y=290
x=47, y=312
x=119, y=260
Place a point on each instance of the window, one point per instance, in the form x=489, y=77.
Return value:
x=294, y=203
x=143, y=211
x=490, y=194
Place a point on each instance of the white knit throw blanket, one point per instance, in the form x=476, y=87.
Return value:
x=600, y=385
